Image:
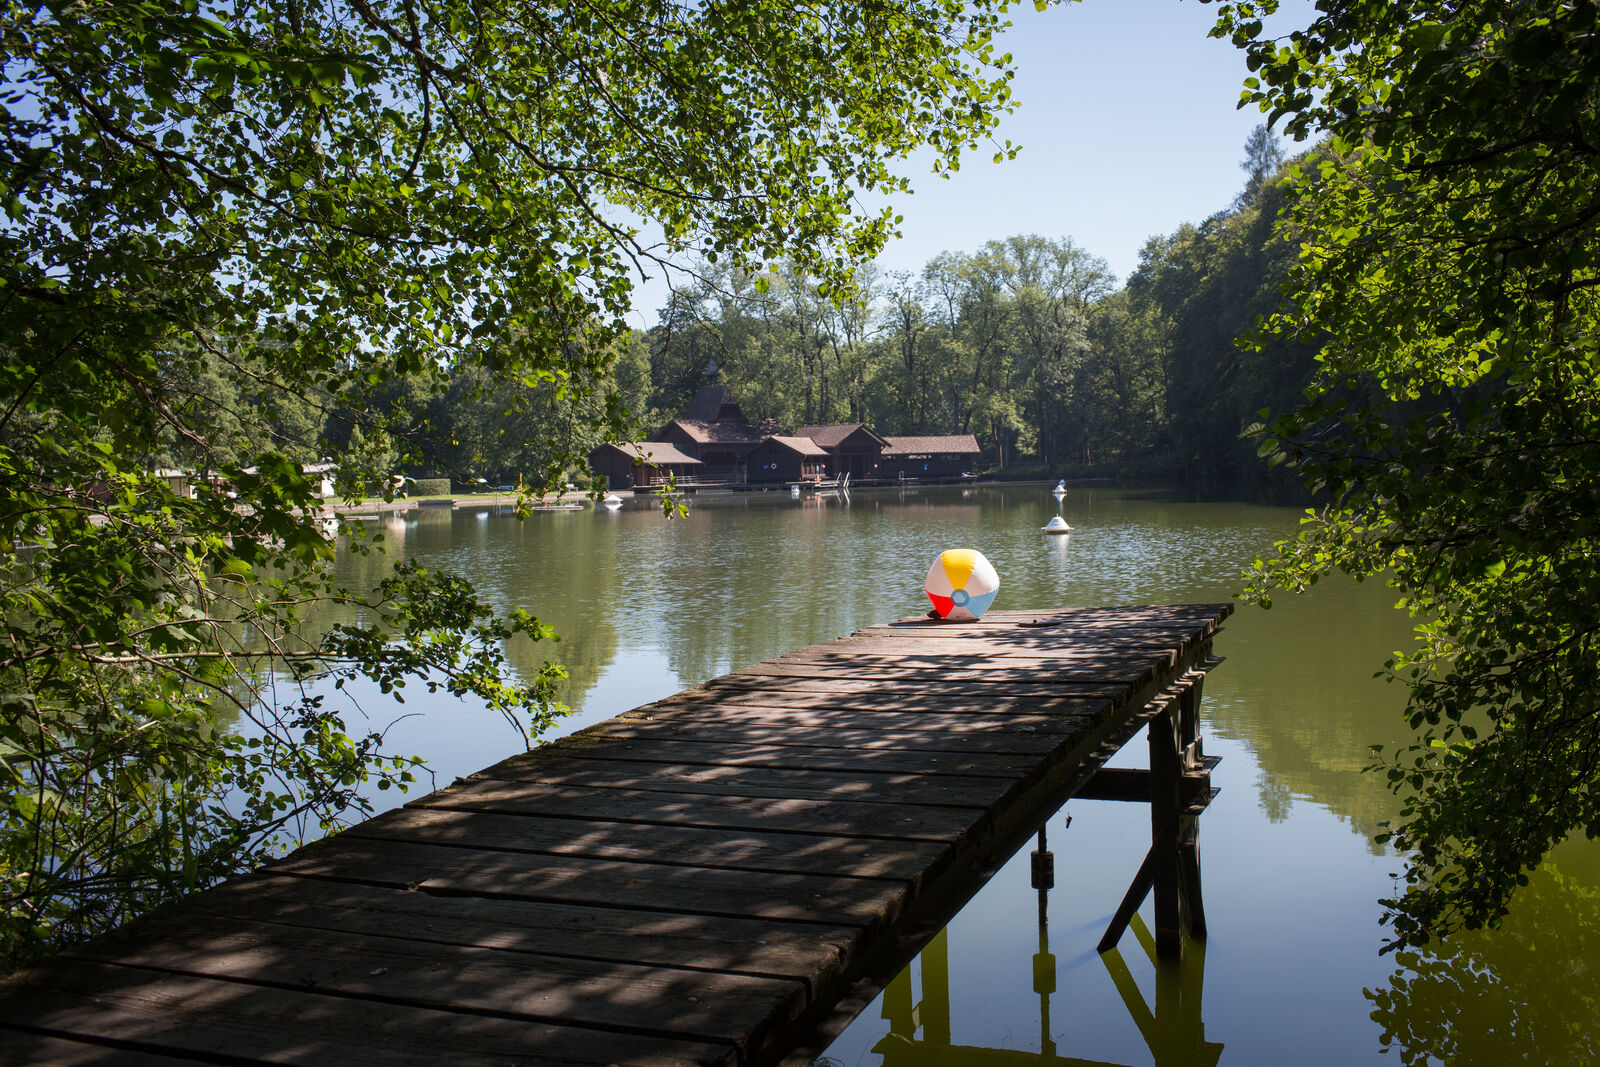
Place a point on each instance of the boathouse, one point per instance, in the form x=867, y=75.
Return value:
x=713, y=430
x=853, y=448
x=786, y=459
x=947, y=456
x=648, y=463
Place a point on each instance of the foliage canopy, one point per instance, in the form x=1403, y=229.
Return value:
x=294, y=221
x=1449, y=266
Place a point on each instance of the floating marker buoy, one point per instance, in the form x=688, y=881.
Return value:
x=1061, y=488
x=1057, y=525
x=612, y=500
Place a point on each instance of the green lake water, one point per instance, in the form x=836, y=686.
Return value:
x=1291, y=971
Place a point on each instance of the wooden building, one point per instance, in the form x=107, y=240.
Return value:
x=181, y=482
x=713, y=430
x=946, y=456
x=853, y=448
x=641, y=465
x=720, y=446
x=786, y=459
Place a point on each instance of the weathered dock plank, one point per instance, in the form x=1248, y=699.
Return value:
x=718, y=943
x=143, y=1011
x=701, y=880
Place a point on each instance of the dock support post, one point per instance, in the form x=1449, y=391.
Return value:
x=1166, y=775
x=1178, y=788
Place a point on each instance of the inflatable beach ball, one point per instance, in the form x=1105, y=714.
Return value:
x=961, y=584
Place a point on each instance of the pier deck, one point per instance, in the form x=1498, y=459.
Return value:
x=706, y=879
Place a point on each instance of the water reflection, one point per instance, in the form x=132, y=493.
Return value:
x=1173, y=1031
x=919, y=1031
x=1530, y=991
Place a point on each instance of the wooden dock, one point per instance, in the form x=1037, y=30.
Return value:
x=721, y=877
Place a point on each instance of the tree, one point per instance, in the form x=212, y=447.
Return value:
x=1121, y=384
x=1052, y=285
x=1449, y=268
x=905, y=327
x=1211, y=283
x=1263, y=157
x=348, y=200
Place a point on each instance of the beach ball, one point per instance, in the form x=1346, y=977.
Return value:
x=961, y=583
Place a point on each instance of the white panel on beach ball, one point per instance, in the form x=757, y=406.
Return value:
x=961, y=584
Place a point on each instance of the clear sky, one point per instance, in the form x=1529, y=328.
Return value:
x=1128, y=123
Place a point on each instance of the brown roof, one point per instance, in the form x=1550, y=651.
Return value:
x=950, y=443
x=717, y=432
x=711, y=401
x=831, y=436
x=653, y=452
x=803, y=445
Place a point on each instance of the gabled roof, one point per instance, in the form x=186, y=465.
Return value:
x=803, y=445
x=713, y=402
x=716, y=432
x=964, y=443
x=652, y=452
x=832, y=435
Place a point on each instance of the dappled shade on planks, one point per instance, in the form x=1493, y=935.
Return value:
x=700, y=880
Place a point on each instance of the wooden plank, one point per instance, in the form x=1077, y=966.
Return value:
x=156, y=1012
x=970, y=737
x=754, y=782
x=1085, y=678
x=804, y=952
x=30, y=1050
x=1143, y=879
x=975, y=693
x=1117, y=783
x=911, y=758
x=1133, y=784
x=854, y=707
x=923, y=656
x=826, y=817
x=602, y=883
x=695, y=1005
x=731, y=849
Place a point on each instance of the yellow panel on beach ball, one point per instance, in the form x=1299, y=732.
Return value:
x=961, y=584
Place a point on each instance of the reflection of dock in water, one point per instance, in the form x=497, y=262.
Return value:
x=1173, y=1030
x=711, y=878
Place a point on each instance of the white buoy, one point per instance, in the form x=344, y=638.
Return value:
x=612, y=500
x=1061, y=488
x=794, y=492
x=1057, y=525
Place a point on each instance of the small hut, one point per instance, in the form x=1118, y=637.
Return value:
x=641, y=465
x=945, y=456
x=853, y=448
x=786, y=459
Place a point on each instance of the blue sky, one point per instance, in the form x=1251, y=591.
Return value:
x=1128, y=121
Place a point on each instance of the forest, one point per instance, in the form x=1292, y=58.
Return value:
x=1029, y=343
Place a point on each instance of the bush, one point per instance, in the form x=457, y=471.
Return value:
x=431, y=487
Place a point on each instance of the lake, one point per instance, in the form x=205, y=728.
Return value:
x=1291, y=971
